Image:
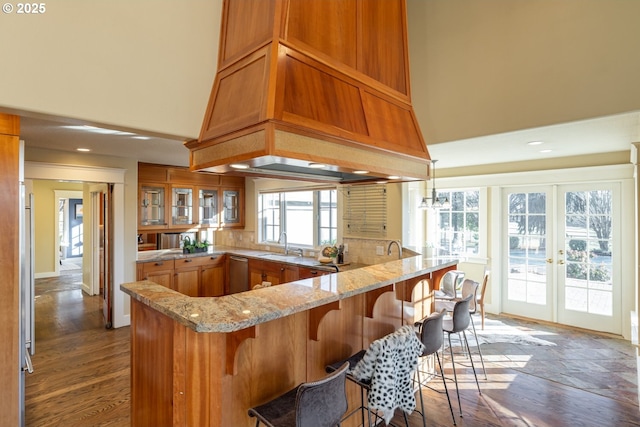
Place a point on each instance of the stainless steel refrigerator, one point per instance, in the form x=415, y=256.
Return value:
x=27, y=291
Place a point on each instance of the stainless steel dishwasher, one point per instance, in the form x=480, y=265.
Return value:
x=238, y=274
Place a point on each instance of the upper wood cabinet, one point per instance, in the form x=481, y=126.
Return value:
x=182, y=206
x=152, y=207
x=208, y=201
x=176, y=198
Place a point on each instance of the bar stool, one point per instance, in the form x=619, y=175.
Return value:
x=456, y=324
x=469, y=287
x=449, y=285
x=320, y=403
x=430, y=333
x=394, y=355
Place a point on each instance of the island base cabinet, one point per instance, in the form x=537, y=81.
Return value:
x=184, y=378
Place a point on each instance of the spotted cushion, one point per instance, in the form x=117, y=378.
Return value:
x=389, y=365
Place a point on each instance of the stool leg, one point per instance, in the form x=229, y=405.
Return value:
x=455, y=376
x=478, y=345
x=444, y=382
x=471, y=359
x=424, y=421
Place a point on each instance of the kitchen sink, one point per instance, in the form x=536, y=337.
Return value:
x=282, y=257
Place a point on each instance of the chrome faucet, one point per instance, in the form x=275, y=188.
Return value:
x=399, y=248
x=286, y=245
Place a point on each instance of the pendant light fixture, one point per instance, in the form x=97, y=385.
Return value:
x=434, y=201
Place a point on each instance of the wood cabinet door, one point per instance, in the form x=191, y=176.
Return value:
x=160, y=272
x=290, y=273
x=181, y=207
x=212, y=277
x=232, y=207
x=152, y=206
x=163, y=277
x=187, y=281
x=265, y=271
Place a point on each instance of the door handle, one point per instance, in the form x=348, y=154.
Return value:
x=550, y=260
x=561, y=261
x=28, y=365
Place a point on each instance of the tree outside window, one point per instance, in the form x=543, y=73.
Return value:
x=458, y=226
x=308, y=217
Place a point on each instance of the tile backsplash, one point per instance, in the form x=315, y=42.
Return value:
x=359, y=251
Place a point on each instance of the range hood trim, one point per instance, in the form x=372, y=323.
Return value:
x=298, y=149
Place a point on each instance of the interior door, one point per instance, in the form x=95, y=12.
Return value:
x=106, y=256
x=560, y=255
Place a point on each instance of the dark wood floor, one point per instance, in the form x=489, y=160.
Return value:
x=82, y=373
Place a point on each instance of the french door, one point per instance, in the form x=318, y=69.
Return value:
x=562, y=254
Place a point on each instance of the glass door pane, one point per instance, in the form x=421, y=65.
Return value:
x=208, y=207
x=528, y=291
x=587, y=295
x=182, y=205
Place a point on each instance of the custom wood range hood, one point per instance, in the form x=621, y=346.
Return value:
x=304, y=83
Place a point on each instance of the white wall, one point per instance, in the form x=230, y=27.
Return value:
x=144, y=65
x=493, y=66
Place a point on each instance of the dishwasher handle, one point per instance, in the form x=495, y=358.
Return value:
x=234, y=258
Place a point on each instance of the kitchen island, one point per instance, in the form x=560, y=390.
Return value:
x=205, y=361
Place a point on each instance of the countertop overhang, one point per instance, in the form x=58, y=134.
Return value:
x=242, y=310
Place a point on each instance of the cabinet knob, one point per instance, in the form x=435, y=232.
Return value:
x=188, y=260
x=159, y=263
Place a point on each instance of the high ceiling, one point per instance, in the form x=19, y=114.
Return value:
x=600, y=135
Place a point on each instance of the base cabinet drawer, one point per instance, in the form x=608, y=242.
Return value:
x=202, y=276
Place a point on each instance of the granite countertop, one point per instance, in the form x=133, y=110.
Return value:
x=238, y=311
x=169, y=254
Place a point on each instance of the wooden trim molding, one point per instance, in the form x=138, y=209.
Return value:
x=9, y=267
x=317, y=314
x=234, y=340
x=372, y=297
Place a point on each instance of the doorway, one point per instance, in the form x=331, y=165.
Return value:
x=74, y=232
x=562, y=254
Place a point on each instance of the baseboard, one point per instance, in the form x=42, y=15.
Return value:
x=46, y=275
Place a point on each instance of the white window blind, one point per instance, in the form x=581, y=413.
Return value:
x=365, y=212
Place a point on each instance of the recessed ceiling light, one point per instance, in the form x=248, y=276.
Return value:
x=141, y=137
x=393, y=177
x=317, y=165
x=84, y=150
x=103, y=131
x=239, y=166
x=361, y=172
x=535, y=142
x=546, y=151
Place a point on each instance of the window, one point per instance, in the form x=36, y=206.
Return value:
x=310, y=218
x=458, y=226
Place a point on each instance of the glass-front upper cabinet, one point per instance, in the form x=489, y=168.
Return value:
x=181, y=206
x=152, y=205
x=208, y=207
x=231, y=208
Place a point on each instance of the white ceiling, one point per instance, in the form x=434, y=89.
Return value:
x=69, y=135
x=600, y=135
